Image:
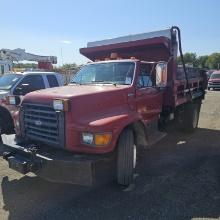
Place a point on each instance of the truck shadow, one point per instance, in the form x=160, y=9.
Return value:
x=178, y=179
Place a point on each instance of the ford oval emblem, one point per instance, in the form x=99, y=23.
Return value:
x=38, y=123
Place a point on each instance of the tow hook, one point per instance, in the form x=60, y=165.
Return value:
x=35, y=164
x=32, y=149
x=6, y=155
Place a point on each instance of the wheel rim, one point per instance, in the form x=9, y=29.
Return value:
x=134, y=156
x=195, y=118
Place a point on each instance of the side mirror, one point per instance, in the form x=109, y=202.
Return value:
x=161, y=74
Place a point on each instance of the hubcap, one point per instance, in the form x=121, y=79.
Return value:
x=195, y=118
x=134, y=156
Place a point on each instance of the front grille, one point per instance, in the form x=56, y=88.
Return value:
x=42, y=123
x=214, y=83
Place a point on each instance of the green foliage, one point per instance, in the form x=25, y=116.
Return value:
x=207, y=61
x=202, y=61
x=25, y=65
x=68, y=67
x=213, y=61
x=189, y=58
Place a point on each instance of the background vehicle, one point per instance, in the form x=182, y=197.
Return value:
x=5, y=66
x=19, y=84
x=113, y=108
x=7, y=57
x=214, y=80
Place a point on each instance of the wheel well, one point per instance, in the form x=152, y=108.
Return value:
x=7, y=119
x=140, y=133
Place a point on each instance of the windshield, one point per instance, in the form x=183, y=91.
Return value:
x=215, y=76
x=106, y=73
x=8, y=80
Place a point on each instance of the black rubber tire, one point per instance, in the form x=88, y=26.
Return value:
x=125, y=157
x=7, y=121
x=1, y=129
x=208, y=88
x=187, y=117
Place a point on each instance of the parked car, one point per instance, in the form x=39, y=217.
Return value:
x=19, y=84
x=214, y=80
x=209, y=73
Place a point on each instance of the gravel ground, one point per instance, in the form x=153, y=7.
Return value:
x=179, y=179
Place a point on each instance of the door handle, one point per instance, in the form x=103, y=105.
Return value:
x=140, y=94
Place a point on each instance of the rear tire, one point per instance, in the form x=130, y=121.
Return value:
x=187, y=117
x=126, y=157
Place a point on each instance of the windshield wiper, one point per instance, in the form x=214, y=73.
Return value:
x=103, y=82
x=74, y=82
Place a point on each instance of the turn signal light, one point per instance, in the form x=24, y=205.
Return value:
x=102, y=139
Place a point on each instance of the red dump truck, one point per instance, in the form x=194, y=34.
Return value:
x=114, y=106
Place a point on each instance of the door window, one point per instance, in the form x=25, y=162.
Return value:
x=29, y=84
x=52, y=80
x=145, y=76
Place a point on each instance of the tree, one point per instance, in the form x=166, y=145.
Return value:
x=189, y=58
x=213, y=61
x=25, y=65
x=68, y=67
x=202, y=61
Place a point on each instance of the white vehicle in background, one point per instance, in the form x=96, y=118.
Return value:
x=19, y=84
x=7, y=57
x=5, y=66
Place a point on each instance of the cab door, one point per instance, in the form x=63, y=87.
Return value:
x=149, y=97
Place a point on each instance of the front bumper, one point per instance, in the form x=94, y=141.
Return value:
x=57, y=165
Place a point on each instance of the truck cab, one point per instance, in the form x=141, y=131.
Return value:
x=19, y=84
x=112, y=108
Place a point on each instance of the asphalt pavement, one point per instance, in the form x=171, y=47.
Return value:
x=179, y=178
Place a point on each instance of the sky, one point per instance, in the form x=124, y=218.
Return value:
x=60, y=28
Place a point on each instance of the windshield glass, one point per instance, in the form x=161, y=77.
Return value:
x=106, y=73
x=215, y=76
x=8, y=80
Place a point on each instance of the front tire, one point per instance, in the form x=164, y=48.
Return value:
x=126, y=157
x=1, y=130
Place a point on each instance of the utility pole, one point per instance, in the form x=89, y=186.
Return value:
x=61, y=53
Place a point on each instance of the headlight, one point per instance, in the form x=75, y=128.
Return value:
x=87, y=138
x=61, y=104
x=13, y=100
x=100, y=139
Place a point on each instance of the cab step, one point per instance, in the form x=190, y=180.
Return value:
x=155, y=137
